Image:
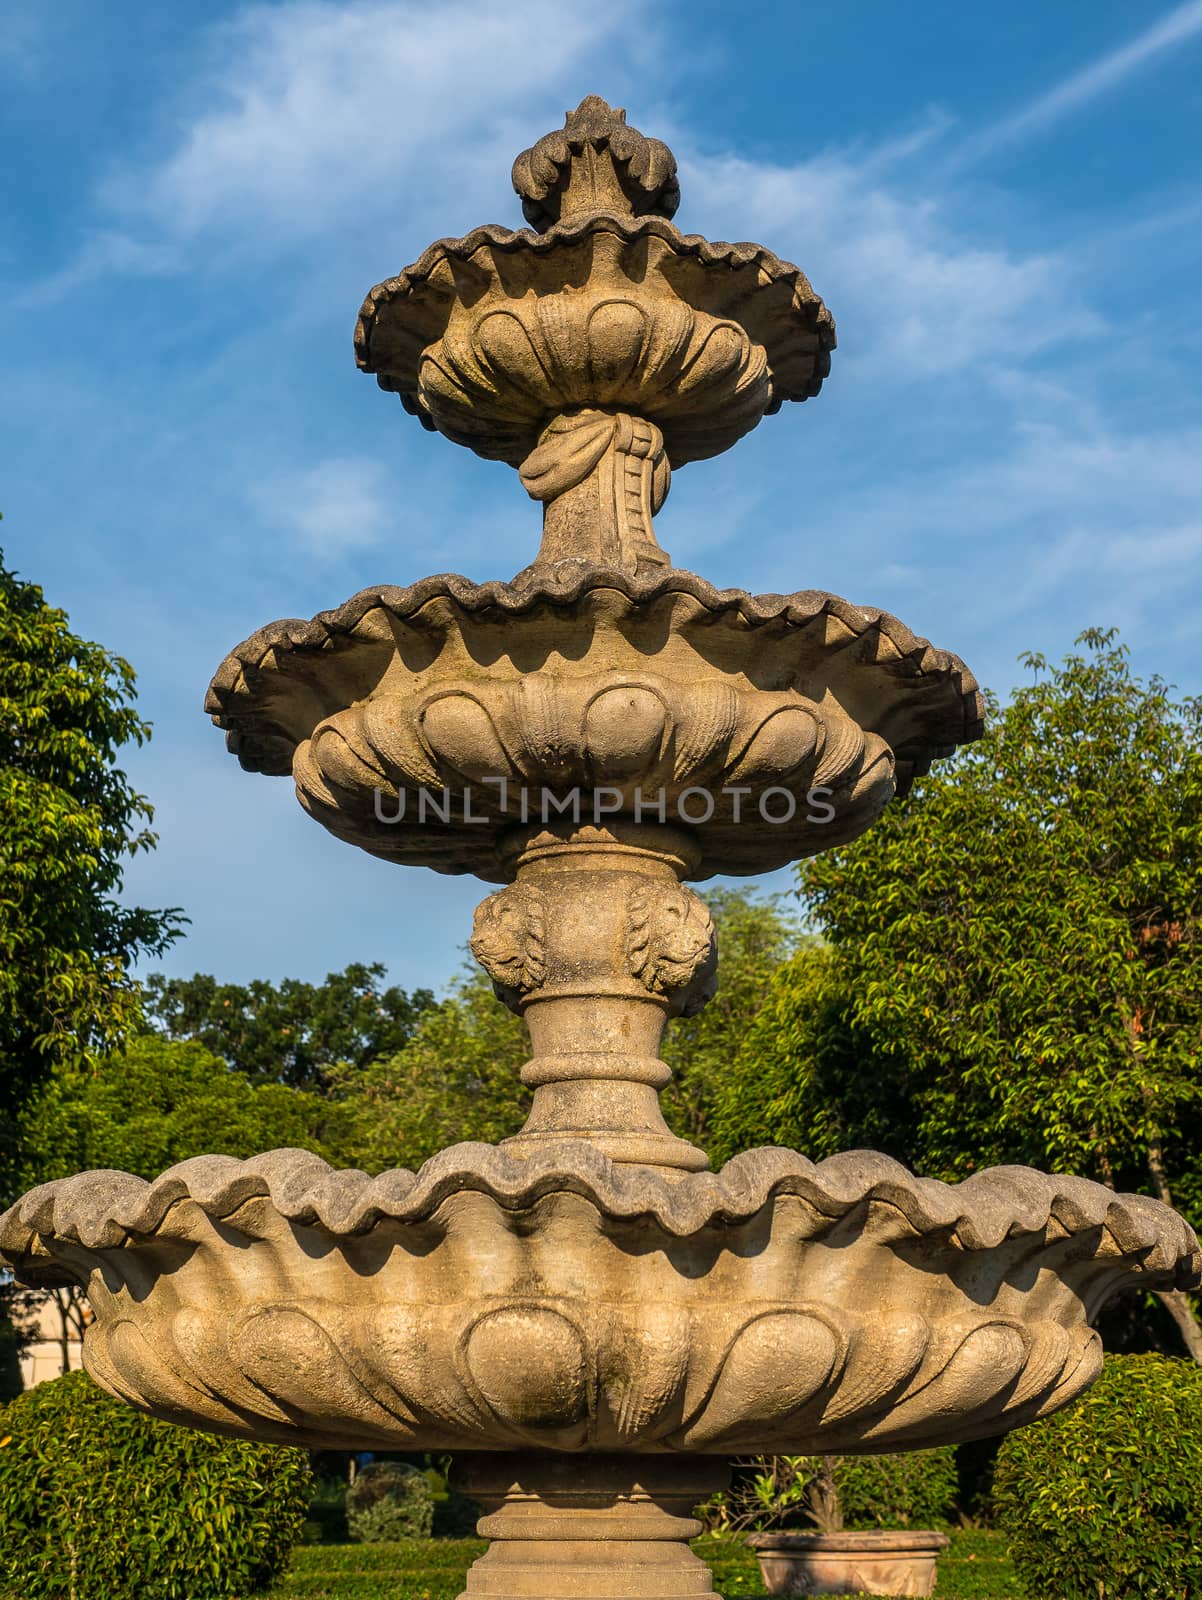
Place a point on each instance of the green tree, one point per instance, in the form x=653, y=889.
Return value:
x=99, y=1502
x=291, y=1032
x=800, y=1074
x=15, y=1308
x=755, y=936
x=144, y=1109
x=69, y=820
x=161, y=1101
x=1015, y=964
x=455, y=1079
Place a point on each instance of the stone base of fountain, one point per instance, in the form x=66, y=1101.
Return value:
x=618, y=1529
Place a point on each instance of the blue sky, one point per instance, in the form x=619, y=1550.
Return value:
x=1001, y=206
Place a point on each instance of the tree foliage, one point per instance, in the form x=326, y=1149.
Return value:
x=389, y=1500
x=800, y=1074
x=755, y=935
x=161, y=1101
x=1014, y=971
x=830, y=1493
x=1018, y=947
x=455, y=1079
x=291, y=1032
x=17, y=1310
x=69, y=820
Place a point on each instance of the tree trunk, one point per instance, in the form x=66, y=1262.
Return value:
x=1175, y=1301
x=1178, y=1306
x=72, y=1320
x=61, y=1301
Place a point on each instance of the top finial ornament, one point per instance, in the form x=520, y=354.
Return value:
x=595, y=163
x=601, y=351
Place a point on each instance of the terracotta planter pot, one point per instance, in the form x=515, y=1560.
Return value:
x=880, y=1562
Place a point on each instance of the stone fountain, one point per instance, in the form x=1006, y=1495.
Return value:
x=589, y=1318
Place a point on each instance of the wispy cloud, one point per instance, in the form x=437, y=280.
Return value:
x=1088, y=84
x=912, y=289
x=103, y=253
x=309, y=112
x=332, y=508
x=1077, y=517
x=25, y=40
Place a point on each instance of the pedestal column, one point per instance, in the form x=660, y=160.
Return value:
x=597, y=943
x=610, y=1527
x=601, y=476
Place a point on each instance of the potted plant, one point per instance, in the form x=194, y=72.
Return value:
x=794, y=1511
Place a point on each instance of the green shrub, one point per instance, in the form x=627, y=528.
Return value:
x=389, y=1500
x=1104, y=1499
x=98, y=1502
x=915, y=1490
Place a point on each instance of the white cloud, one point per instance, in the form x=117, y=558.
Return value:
x=312, y=111
x=1116, y=482
x=25, y=41
x=311, y=119
x=1060, y=525
x=105, y=252
x=911, y=291
x=335, y=507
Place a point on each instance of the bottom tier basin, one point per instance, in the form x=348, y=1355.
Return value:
x=564, y=1302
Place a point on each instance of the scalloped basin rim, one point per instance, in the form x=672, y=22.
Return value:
x=232, y=701
x=493, y=236
x=104, y=1209
x=565, y=1302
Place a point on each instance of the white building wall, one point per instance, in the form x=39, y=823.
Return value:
x=42, y=1358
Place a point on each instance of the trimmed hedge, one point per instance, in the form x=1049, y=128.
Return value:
x=388, y=1501
x=98, y=1502
x=1104, y=1499
x=974, y=1568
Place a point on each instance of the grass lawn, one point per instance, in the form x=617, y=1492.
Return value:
x=974, y=1568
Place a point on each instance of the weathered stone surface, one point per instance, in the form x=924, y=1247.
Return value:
x=602, y=351
x=595, y=162
x=490, y=336
x=597, y=945
x=587, y=680
x=557, y=1299
x=901, y=1563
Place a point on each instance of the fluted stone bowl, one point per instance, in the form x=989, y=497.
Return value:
x=488, y=337
x=565, y=1302
x=768, y=727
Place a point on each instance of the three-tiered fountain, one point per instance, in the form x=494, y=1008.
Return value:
x=585, y=1314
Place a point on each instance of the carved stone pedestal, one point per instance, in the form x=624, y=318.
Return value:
x=597, y=944
x=614, y=1527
